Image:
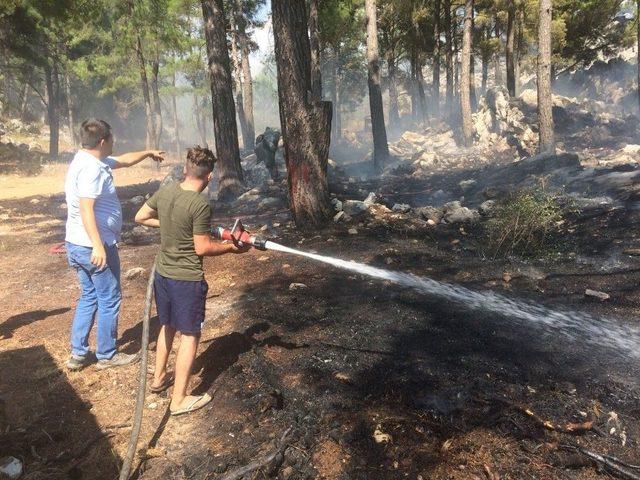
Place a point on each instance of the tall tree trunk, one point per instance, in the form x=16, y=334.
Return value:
x=199, y=121
x=53, y=107
x=638, y=22
x=436, y=61
x=448, y=52
x=237, y=77
x=422, y=98
x=24, y=104
x=157, y=107
x=511, y=37
x=314, y=40
x=465, y=98
x=394, y=114
x=380, y=146
x=306, y=126
x=151, y=141
x=519, y=45
x=496, y=59
x=70, y=114
x=230, y=179
x=336, y=130
x=545, y=112
x=176, y=123
x=485, y=73
x=247, y=81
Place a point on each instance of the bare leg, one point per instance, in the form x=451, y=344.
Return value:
x=163, y=348
x=184, y=361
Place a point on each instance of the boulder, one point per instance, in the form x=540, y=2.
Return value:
x=401, y=208
x=371, y=199
x=545, y=162
x=354, y=207
x=430, y=213
x=487, y=207
x=454, y=212
x=337, y=204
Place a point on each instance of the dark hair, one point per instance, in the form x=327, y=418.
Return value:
x=200, y=162
x=92, y=131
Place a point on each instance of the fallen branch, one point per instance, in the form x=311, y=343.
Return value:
x=616, y=468
x=261, y=462
x=572, y=428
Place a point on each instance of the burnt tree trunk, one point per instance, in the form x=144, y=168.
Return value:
x=157, y=106
x=378, y=129
x=465, y=97
x=314, y=40
x=151, y=141
x=237, y=78
x=176, y=123
x=638, y=22
x=247, y=81
x=230, y=179
x=394, y=113
x=436, y=60
x=306, y=125
x=198, y=118
x=485, y=73
x=448, y=52
x=511, y=37
x=497, y=73
x=545, y=114
x=53, y=107
x=422, y=97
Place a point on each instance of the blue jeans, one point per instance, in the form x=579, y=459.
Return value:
x=100, y=293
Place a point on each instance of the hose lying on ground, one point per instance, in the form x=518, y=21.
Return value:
x=142, y=385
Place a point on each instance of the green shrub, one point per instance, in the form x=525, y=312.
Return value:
x=523, y=223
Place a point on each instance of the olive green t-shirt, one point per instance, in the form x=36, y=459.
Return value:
x=182, y=214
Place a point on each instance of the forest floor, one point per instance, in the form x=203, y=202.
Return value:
x=375, y=381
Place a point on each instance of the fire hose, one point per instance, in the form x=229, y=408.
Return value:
x=240, y=237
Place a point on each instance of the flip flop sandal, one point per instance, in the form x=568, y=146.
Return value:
x=168, y=381
x=197, y=404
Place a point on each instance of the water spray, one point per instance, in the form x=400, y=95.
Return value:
x=572, y=325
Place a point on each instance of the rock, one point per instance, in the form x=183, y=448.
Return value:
x=371, y=199
x=430, y=214
x=34, y=201
x=11, y=467
x=337, y=204
x=269, y=202
x=152, y=406
x=596, y=294
x=133, y=273
x=63, y=206
x=487, y=206
x=340, y=216
x=466, y=184
x=632, y=149
x=380, y=437
x=297, y=286
x=353, y=231
x=354, y=207
x=401, y=208
x=529, y=97
x=137, y=200
x=545, y=162
x=455, y=213
x=414, y=138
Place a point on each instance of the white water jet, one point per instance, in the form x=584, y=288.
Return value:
x=574, y=326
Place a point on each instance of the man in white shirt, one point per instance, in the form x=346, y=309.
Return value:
x=94, y=223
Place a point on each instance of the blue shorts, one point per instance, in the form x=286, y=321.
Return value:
x=180, y=303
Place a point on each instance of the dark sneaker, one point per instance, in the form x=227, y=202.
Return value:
x=78, y=362
x=118, y=360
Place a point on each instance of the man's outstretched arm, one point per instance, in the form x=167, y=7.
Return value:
x=132, y=158
x=205, y=245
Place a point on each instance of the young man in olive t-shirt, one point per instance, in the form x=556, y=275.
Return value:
x=183, y=214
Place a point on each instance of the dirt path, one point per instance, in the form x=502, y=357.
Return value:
x=376, y=381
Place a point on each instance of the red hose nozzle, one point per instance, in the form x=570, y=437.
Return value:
x=239, y=236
